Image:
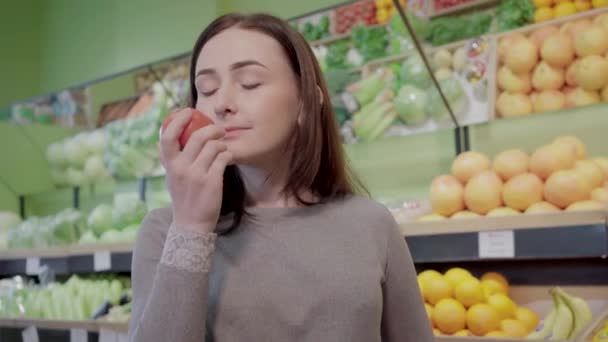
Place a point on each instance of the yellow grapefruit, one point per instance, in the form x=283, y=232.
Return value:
x=566, y=187
x=539, y=35
x=522, y=56
x=579, y=147
x=590, y=170
x=446, y=195
x=510, y=163
x=513, y=328
x=600, y=195
x=468, y=164
x=551, y=158
x=558, y=50
x=592, y=40
x=586, y=205
x=522, y=191
x=483, y=192
x=502, y=211
x=603, y=164
x=542, y=208
x=465, y=214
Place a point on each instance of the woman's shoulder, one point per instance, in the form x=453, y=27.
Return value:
x=363, y=209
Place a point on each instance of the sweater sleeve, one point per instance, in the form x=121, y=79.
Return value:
x=404, y=317
x=170, y=282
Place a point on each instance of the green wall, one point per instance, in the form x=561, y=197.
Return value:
x=20, y=30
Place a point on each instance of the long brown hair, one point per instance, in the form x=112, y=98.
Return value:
x=319, y=165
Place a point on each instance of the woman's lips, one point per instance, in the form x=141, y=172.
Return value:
x=234, y=131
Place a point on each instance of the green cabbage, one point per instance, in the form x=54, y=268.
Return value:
x=455, y=95
x=414, y=72
x=127, y=211
x=100, y=219
x=410, y=104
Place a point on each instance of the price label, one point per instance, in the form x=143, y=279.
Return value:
x=107, y=336
x=102, y=261
x=32, y=265
x=78, y=335
x=497, y=244
x=30, y=334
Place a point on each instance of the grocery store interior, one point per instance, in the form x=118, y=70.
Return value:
x=480, y=124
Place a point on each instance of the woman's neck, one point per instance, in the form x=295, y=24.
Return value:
x=265, y=187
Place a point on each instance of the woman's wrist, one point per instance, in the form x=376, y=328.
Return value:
x=188, y=250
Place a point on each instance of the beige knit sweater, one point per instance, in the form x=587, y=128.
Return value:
x=338, y=271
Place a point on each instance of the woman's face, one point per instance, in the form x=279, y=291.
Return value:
x=245, y=84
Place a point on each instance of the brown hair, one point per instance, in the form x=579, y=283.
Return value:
x=319, y=165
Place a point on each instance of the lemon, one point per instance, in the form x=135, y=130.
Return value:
x=449, y=316
x=437, y=289
x=491, y=286
x=527, y=317
x=425, y=276
x=503, y=304
x=429, y=313
x=599, y=3
x=497, y=277
x=543, y=14
x=582, y=5
x=542, y=3
x=469, y=292
x=456, y=275
x=564, y=9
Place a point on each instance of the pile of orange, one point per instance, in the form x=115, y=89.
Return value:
x=459, y=304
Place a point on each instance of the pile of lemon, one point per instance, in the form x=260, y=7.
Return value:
x=551, y=9
x=459, y=304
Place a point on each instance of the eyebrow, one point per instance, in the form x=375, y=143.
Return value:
x=234, y=66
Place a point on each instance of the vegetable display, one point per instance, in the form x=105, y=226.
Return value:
x=512, y=14
x=78, y=160
x=57, y=230
x=76, y=299
x=449, y=29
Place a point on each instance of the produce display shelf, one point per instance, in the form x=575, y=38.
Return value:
x=567, y=235
x=467, y=6
x=62, y=330
x=336, y=37
x=68, y=260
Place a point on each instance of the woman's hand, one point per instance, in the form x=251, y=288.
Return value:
x=195, y=174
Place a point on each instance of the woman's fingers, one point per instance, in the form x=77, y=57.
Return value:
x=196, y=144
x=169, y=138
x=208, y=154
x=216, y=170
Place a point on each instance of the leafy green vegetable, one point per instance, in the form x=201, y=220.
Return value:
x=336, y=55
x=455, y=95
x=512, y=14
x=414, y=72
x=312, y=32
x=444, y=30
x=371, y=42
x=100, y=219
x=420, y=26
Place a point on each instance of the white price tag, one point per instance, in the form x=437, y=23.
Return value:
x=108, y=336
x=497, y=244
x=102, y=261
x=32, y=265
x=78, y=335
x=30, y=334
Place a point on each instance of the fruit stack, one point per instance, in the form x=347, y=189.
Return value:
x=557, y=176
x=385, y=9
x=344, y=18
x=554, y=67
x=459, y=304
x=551, y=9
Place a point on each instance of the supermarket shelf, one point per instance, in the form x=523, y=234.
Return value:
x=68, y=260
x=336, y=37
x=535, y=237
x=60, y=330
x=474, y=4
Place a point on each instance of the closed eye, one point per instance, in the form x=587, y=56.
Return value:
x=250, y=86
x=208, y=93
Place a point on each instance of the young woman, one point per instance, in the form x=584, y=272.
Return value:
x=265, y=239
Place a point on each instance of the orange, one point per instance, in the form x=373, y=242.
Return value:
x=449, y=316
x=497, y=277
x=482, y=318
x=527, y=317
x=513, y=328
x=437, y=289
x=503, y=305
x=469, y=292
x=456, y=275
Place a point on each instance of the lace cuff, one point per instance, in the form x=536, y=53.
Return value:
x=189, y=251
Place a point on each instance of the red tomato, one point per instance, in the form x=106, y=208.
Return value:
x=198, y=120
